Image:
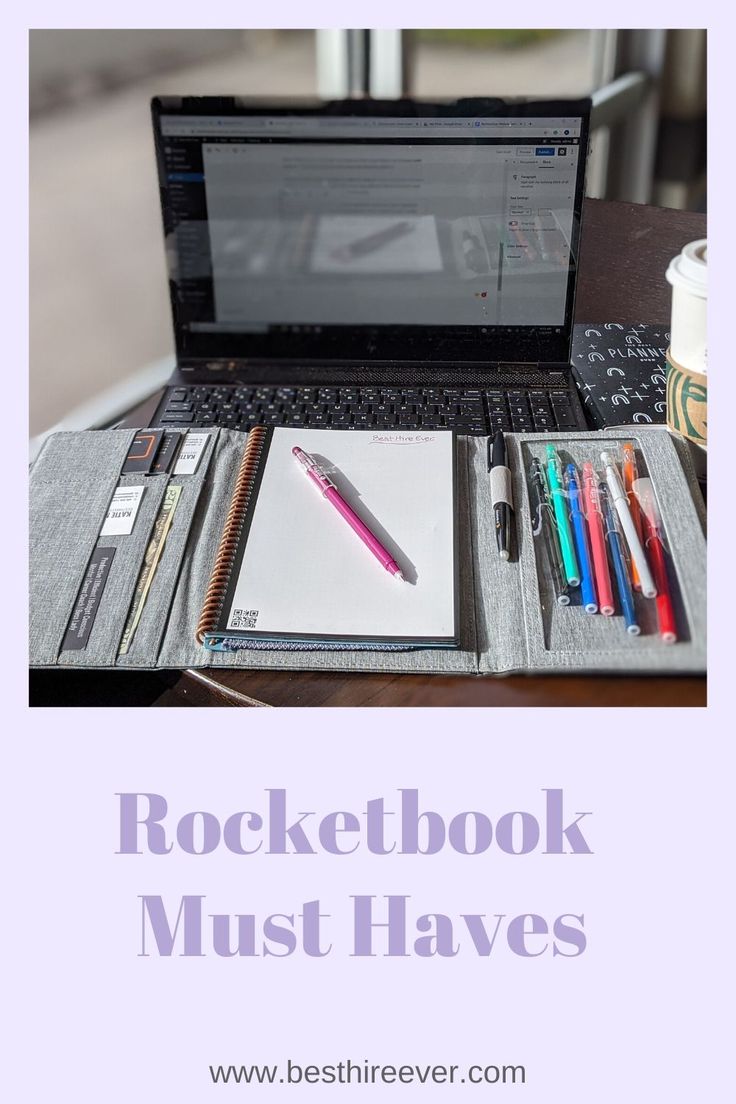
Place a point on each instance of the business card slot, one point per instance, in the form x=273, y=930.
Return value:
x=74, y=478
x=129, y=551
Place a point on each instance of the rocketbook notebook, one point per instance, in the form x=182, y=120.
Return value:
x=291, y=571
x=141, y=563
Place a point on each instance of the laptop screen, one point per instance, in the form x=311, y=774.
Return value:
x=440, y=233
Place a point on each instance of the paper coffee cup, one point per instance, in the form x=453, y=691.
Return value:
x=688, y=274
x=687, y=401
x=687, y=361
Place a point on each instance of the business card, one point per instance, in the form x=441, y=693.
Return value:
x=122, y=511
x=191, y=453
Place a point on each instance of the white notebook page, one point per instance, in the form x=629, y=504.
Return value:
x=305, y=571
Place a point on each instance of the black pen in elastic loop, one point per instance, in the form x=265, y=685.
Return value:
x=501, y=492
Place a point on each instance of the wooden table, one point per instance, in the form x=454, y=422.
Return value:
x=624, y=254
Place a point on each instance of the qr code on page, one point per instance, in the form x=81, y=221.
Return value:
x=243, y=619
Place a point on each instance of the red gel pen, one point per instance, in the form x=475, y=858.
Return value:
x=652, y=527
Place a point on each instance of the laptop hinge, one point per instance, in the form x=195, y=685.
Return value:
x=416, y=373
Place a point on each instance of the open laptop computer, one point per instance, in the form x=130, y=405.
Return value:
x=372, y=264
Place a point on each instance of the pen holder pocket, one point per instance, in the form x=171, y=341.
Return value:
x=565, y=626
x=127, y=559
x=146, y=641
x=71, y=482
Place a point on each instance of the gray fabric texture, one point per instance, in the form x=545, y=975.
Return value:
x=71, y=484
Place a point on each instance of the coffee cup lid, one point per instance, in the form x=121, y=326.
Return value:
x=689, y=269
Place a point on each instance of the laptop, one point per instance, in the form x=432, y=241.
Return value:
x=372, y=264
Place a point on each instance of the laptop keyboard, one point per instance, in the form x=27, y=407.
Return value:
x=466, y=410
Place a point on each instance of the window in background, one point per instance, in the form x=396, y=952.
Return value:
x=450, y=63
x=446, y=63
x=98, y=285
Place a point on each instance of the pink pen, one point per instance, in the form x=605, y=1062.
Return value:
x=597, y=540
x=330, y=492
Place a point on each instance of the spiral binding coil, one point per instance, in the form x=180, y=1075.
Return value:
x=219, y=579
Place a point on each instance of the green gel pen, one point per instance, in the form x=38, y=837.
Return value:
x=557, y=494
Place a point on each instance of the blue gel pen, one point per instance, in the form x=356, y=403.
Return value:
x=623, y=583
x=587, y=585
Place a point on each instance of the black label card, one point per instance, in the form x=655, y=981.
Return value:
x=88, y=600
x=142, y=451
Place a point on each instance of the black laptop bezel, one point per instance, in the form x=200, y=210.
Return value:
x=428, y=344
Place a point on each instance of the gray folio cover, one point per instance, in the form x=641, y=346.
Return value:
x=508, y=622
